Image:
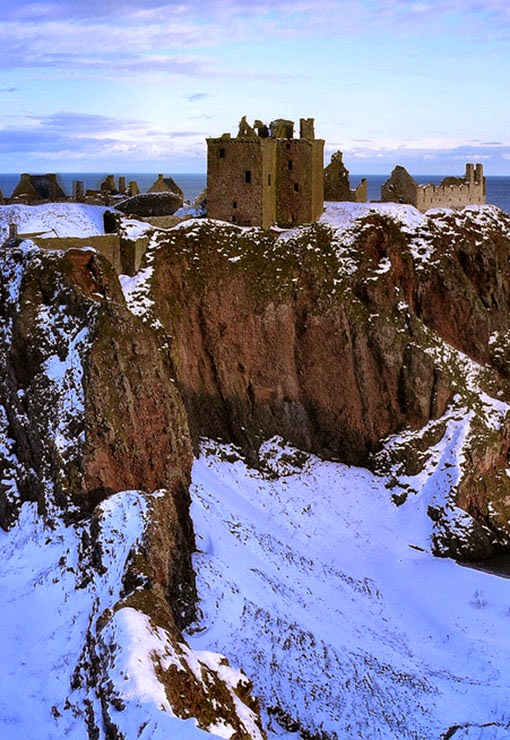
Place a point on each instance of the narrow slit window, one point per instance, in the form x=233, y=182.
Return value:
x=296, y=187
x=269, y=181
x=221, y=153
x=234, y=204
x=247, y=176
x=289, y=164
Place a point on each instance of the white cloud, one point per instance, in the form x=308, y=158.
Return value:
x=421, y=159
x=137, y=35
x=67, y=135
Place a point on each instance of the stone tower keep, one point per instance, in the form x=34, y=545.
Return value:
x=265, y=176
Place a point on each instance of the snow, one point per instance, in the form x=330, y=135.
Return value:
x=136, y=290
x=45, y=615
x=344, y=216
x=51, y=600
x=53, y=219
x=323, y=591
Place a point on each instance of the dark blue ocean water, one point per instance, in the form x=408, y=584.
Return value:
x=498, y=187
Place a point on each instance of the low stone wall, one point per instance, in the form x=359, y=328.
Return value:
x=449, y=196
x=124, y=254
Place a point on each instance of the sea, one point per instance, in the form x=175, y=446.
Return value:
x=498, y=186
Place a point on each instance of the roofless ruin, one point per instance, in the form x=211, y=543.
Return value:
x=265, y=176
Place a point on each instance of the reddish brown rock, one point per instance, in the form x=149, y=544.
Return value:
x=271, y=347
x=90, y=403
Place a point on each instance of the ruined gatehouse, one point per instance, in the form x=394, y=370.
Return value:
x=265, y=176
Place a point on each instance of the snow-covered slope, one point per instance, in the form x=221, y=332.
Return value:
x=76, y=661
x=53, y=219
x=316, y=584
x=88, y=642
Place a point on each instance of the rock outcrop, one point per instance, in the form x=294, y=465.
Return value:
x=335, y=343
x=269, y=338
x=89, y=415
x=381, y=342
x=156, y=204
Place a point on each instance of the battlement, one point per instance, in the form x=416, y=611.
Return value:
x=452, y=192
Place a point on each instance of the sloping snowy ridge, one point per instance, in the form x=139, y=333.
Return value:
x=321, y=589
x=77, y=662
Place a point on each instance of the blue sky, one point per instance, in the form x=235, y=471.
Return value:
x=137, y=86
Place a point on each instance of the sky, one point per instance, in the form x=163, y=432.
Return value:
x=138, y=85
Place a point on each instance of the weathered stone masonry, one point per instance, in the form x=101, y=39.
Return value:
x=265, y=176
x=337, y=186
x=452, y=192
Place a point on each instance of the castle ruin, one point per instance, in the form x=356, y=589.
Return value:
x=452, y=192
x=265, y=176
x=166, y=185
x=36, y=189
x=337, y=186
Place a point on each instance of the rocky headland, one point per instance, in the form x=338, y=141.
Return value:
x=357, y=338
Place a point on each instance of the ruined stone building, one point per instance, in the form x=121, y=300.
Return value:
x=337, y=186
x=34, y=189
x=166, y=185
x=265, y=176
x=109, y=190
x=452, y=192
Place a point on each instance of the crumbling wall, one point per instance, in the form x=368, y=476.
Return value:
x=166, y=184
x=265, y=175
x=35, y=189
x=361, y=191
x=400, y=187
x=452, y=192
x=124, y=254
x=337, y=186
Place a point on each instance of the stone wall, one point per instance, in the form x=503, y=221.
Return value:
x=452, y=192
x=240, y=176
x=124, y=254
x=337, y=186
x=295, y=182
x=259, y=179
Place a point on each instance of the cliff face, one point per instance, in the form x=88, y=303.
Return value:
x=274, y=337
x=93, y=434
x=86, y=390
x=378, y=337
x=336, y=338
